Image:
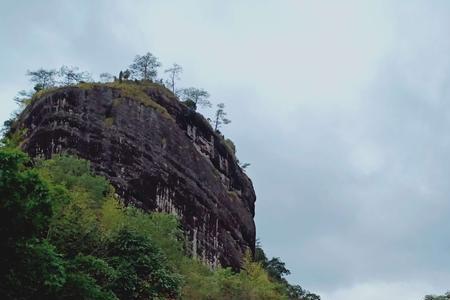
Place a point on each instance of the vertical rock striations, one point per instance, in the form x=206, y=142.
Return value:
x=158, y=154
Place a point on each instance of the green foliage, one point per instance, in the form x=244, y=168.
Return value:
x=220, y=117
x=72, y=75
x=23, y=98
x=25, y=209
x=252, y=282
x=28, y=264
x=128, y=89
x=44, y=91
x=38, y=270
x=257, y=283
x=89, y=278
x=231, y=146
x=43, y=78
x=191, y=104
x=142, y=267
x=56, y=240
x=145, y=67
x=64, y=235
x=276, y=270
x=75, y=175
x=75, y=228
x=174, y=74
x=12, y=138
x=82, y=286
x=7, y=126
x=137, y=91
x=195, y=97
x=96, y=267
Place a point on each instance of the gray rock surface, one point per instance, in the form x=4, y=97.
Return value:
x=158, y=154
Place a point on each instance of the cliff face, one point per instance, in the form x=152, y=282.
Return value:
x=157, y=153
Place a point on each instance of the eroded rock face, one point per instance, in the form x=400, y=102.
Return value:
x=160, y=156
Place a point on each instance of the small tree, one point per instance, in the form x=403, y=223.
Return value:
x=72, y=75
x=42, y=78
x=106, y=77
x=220, y=117
x=276, y=268
x=126, y=74
x=23, y=97
x=143, y=270
x=230, y=144
x=145, y=67
x=196, y=97
x=174, y=74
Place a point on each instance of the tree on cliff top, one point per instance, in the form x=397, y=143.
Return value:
x=43, y=78
x=72, y=75
x=220, y=117
x=145, y=67
x=174, y=74
x=196, y=97
x=106, y=77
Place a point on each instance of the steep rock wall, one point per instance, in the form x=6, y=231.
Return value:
x=158, y=154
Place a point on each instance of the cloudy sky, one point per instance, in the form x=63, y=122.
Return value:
x=341, y=107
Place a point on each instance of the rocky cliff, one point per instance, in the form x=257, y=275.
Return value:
x=158, y=154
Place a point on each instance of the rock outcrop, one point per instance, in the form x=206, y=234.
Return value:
x=158, y=154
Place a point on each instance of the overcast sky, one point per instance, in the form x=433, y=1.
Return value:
x=341, y=107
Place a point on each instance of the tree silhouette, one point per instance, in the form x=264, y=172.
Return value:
x=174, y=74
x=145, y=67
x=220, y=117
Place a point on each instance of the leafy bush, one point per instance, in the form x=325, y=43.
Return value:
x=230, y=145
x=191, y=104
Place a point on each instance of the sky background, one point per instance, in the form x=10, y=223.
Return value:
x=341, y=107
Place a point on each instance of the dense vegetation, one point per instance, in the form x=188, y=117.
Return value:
x=64, y=235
